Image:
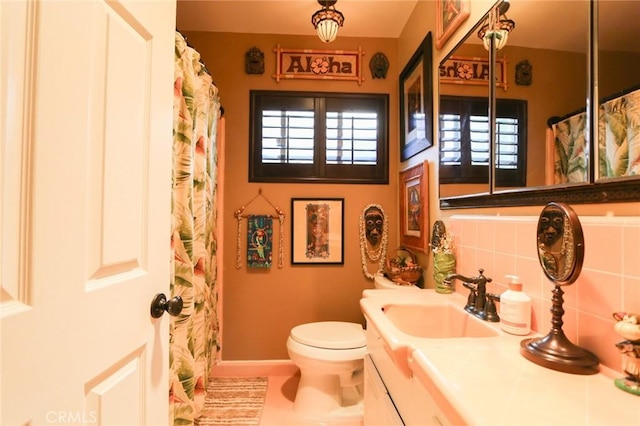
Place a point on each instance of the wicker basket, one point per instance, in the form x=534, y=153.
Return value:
x=403, y=268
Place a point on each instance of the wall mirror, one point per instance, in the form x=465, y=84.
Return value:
x=559, y=59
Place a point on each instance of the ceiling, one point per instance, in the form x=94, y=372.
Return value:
x=293, y=17
x=535, y=26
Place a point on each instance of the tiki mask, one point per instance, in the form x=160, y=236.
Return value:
x=374, y=223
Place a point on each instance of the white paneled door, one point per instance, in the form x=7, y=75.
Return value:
x=85, y=181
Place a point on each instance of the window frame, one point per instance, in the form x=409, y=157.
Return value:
x=320, y=171
x=468, y=173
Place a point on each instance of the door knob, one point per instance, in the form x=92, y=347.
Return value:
x=159, y=304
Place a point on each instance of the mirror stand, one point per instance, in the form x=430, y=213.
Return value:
x=555, y=350
x=561, y=252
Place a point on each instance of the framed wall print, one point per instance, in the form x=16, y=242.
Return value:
x=414, y=207
x=317, y=231
x=416, y=102
x=449, y=15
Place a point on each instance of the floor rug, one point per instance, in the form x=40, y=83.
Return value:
x=234, y=401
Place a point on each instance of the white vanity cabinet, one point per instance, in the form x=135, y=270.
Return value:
x=390, y=397
x=379, y=408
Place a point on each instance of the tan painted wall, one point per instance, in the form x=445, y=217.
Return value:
x=260, y=307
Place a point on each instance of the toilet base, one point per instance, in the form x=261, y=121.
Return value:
x=321, y=397
x=350, y=415
x=330, y=356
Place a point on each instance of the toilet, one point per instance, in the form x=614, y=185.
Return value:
x=382, y=282
x=330, y=356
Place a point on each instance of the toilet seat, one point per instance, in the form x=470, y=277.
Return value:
x=330, y=335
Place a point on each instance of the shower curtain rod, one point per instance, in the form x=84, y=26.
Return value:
x=204, y=66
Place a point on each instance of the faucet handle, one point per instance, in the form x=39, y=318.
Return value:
x=490, y=312
x=471, y=298
x=470, y=286
x=480, y=278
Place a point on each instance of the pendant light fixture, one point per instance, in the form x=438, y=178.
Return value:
x=497, y=27
x=327, y=20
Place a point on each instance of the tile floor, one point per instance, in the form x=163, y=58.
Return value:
x=281, y=391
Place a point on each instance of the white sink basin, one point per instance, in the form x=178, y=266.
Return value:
x=406, y=320
x=436, y=321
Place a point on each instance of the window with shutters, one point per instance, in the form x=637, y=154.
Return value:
x=464, y=141
x=318, y=137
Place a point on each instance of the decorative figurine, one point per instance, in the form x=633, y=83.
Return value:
x=254, y=61
x=379, y=65
x=444, y=260
x=554, y=243
x=438, y=233
x=373, y=227
x=628, y=326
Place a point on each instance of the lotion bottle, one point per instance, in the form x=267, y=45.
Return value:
x=515, y=309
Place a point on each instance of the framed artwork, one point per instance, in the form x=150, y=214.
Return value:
x=314, y=64
x=416, y=102
x=449, y=15
x=317, y=231
x=473, y=71
x=414, y=207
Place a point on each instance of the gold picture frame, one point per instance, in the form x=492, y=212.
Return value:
x=449, y=15
x=414, y=206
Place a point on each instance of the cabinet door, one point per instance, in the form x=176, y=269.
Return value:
x=378, y=406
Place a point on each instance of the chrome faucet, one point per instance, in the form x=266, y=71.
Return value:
x=479, y=303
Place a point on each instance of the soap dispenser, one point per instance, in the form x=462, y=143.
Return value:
x=515, y=309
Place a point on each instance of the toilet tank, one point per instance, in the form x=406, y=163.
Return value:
x=382, y=282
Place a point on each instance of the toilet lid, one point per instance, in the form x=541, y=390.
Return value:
x=330, y=335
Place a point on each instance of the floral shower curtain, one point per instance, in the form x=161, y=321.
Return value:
x=619, y=136
x=571, y=149
x=194, y=333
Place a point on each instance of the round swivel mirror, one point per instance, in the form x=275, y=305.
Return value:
x=560, y=243
x=561, y=251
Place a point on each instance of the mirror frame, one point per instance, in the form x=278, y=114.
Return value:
x=610, y=191
x=605, y=192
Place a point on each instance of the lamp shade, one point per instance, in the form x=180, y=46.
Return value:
x=499, y=39
x=497, y=28
x=326, y=21
x=327, y=30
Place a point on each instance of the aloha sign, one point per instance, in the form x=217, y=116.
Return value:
x=467, y=70
x=318, y=64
